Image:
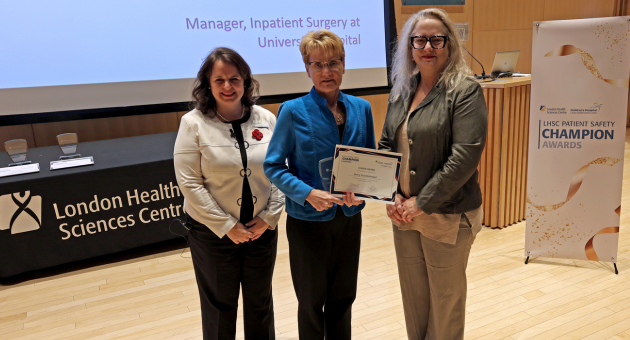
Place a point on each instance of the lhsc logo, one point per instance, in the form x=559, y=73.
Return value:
x=20, y=213
x=543, y=107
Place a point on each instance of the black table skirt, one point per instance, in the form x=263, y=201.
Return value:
x=127, y=199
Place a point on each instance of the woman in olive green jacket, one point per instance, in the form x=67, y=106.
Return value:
x=437, y=118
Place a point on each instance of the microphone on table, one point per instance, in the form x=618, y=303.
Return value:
x=483, y=71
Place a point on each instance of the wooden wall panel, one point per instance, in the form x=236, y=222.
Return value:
x=487, y=43
x=378, y=103
x=400, y=20
x=17, y=132
x=272, y=107
x=578, y=9
x=495, y=15
x=106, y=128
x=179, y=116
x=379, y=110
x=458, y=14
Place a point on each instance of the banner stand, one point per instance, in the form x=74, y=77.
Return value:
x=577, y=134
x=614, y=264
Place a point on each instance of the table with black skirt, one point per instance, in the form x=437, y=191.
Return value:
x=127, y=199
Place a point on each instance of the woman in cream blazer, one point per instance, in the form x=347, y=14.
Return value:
x=232, y=208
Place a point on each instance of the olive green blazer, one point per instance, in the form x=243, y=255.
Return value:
x=447, y=133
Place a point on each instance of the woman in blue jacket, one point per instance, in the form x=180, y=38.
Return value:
x=324, y=232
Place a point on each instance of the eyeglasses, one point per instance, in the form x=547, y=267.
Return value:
x=436, y=41
x=333, y=65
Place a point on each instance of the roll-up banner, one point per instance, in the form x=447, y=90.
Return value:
x=579, y=100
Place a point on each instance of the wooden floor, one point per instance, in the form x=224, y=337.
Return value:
x=155, y=297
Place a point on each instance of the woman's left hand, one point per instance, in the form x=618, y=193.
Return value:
x=257, y=226
x=349, y=199
x=410, y=210
x=393, y=209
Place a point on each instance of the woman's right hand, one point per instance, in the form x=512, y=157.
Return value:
x=392, y=209
x=322, y=200
x=239, y=233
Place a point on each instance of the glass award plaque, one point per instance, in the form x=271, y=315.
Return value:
x=16, y=149
x=325, y=172
x=68, y=142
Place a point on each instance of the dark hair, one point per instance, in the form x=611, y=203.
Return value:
x=202, y=95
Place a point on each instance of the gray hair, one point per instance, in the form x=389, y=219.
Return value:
x=403, y=65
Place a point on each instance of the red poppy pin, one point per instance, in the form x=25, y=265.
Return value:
x=257, y=135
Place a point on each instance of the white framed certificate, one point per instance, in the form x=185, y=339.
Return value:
x=371, y=174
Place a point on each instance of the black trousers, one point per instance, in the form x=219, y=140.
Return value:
x=324, y=259
x=221, y=268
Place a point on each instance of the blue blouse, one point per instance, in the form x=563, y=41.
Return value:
x=305, y=133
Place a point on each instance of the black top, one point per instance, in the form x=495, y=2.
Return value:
x=341, y=127
x=247, y=200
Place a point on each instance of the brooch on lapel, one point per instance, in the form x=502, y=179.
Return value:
x=257, y=135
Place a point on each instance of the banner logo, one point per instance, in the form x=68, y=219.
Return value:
x=597, y=106
x=20, y=213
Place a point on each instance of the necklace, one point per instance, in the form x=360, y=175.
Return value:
x=225, y=120
x=333, y=110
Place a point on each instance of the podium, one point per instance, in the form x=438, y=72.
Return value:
x=503, y=166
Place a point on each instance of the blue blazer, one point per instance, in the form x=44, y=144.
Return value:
x=305, y=133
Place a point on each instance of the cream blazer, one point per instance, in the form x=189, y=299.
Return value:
x=209, y=172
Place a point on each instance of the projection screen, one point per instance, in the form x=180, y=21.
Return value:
x=70, y=55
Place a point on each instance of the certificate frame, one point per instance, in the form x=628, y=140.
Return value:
x=367, y=156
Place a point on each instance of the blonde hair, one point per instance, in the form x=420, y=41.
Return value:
x=403, y=65
x=323, y=40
